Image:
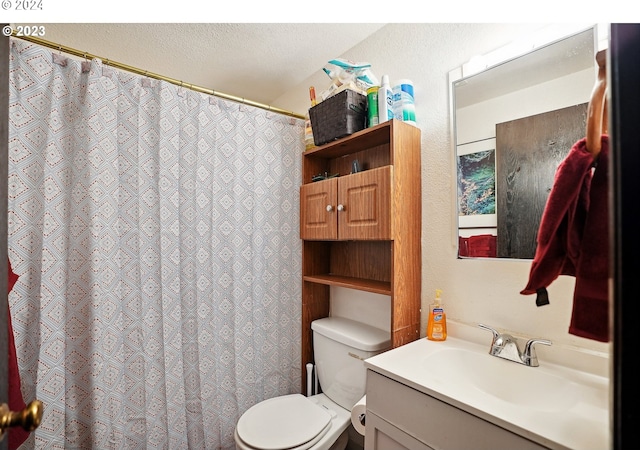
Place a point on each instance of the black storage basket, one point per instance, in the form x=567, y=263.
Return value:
x=338, y=116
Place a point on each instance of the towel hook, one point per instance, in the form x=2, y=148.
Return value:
x=597, y=114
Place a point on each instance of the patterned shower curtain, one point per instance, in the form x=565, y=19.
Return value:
x=155, y=233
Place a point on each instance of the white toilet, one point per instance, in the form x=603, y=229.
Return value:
x=318, y=422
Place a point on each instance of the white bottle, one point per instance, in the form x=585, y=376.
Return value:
x=385, y=100
x=403, y=103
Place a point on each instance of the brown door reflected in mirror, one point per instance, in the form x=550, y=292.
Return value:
x=528, y=151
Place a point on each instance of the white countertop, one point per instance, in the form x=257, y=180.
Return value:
x=570, y=414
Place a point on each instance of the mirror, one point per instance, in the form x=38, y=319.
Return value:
x=513, y=123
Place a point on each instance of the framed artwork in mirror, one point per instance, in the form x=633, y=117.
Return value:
x=477, y=184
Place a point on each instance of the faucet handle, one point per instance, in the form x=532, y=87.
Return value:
x=496, y=335
x=529, y=356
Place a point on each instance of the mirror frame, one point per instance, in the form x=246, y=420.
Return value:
x=543, y=37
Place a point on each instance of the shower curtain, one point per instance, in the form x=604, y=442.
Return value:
x=155, y=233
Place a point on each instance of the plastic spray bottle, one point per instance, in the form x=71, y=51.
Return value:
x=385, y=100
x=437, y=320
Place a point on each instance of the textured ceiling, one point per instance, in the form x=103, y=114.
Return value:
x=255, y=61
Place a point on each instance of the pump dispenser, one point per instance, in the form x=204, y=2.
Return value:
x=437, y=320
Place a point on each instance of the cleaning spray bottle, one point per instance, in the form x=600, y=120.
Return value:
x=437, y=320
x=385, y=100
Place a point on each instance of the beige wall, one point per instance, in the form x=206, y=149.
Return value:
x=474, y=291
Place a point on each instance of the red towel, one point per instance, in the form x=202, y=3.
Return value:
x=573, y=239
x=16, y=403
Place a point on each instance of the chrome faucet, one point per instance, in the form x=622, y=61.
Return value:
x=506, y=346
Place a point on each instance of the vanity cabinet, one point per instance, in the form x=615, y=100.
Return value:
x=399, y=416
x=363, y=230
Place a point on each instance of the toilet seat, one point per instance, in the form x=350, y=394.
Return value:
x=284, y=423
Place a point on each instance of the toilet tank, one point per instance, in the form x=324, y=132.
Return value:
x=340, y=346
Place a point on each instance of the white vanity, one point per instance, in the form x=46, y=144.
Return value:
x=454, y=395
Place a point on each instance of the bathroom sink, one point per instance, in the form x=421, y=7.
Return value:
x=507, y=381
x=558, y=406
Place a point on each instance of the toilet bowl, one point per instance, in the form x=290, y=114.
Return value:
x=318, y=422
x=294, y=422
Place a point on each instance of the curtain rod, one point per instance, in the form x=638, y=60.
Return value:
x=128, y=68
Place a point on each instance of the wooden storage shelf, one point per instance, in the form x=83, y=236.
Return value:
x=369, y=138
x=360, y=284
x=363, y=231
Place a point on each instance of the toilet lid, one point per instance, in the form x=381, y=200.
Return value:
x=283, y=423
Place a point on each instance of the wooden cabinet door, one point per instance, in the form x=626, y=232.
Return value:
x=364, y=205
x=318, y=218
x=353, y=207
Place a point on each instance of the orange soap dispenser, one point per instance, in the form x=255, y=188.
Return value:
x=437, y=320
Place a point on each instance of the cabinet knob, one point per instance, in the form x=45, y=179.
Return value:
x=329, y=208
x=341, y=208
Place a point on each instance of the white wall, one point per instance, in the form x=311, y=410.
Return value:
x=474, y=291
x=478, y=121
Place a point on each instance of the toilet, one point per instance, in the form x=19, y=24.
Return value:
x=321, y=421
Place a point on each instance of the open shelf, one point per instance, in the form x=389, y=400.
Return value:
x=378, y=287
